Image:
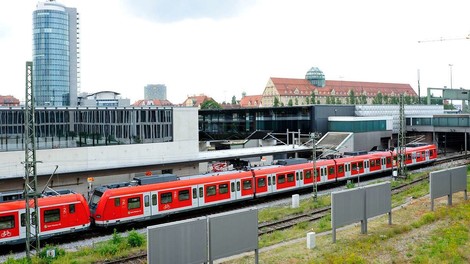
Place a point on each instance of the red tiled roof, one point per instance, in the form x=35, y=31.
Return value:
x=302, y=87
x=196, y=100
x=9, y=100
x=251, y=101
x=155, y=102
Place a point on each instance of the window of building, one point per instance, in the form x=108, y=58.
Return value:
x=166, y=198
x=133, y=203
x=51, y=215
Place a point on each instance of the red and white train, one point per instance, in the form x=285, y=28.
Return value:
x=110, y=205
x=151, y=198
x=58, y=214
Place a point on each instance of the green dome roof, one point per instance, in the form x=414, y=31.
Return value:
x=316, y=77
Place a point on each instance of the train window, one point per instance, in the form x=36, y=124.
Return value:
x=223, y=188
x=33, y=218
x=238, y=186
x=331, y=170
x=246, y=185
x=261, y=182
x=117, y=201
x=7, y=222
x=166, y=198
x=354, y=166
x=301, y=175
x=290, y=177
x=274, y=180
x=146, y=201
x=232, y=186
x=23, y=219
x=210, y=190
x=269, y=181
x=297, y=176
x=360, y=165
x=389, y=160
x=52, y=215
x=154, y=199
x=281, y=178
x=408, y=156
x=183, y=195
x=201, y=192
x=72, y=208
x=340, y=168
x=194, y=193
x=133, y=203
x=372, y=163
x=308, y=174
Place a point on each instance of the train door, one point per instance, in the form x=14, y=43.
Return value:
x=23, y=222
x=413, y=158
x=147, y=208
x=383, y=164
x=347, y=169
x=271, y=183
x=366, y=166
x=153, y=203
x=323, y=174
x=427, y=155
x=299, y=177
x=233, y=190
x=200, y=194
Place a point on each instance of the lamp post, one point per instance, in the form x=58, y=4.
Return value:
x=450, y=66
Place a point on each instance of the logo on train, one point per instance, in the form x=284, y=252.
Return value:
x=5, y=233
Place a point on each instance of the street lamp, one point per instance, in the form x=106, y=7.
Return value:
x=450, y=66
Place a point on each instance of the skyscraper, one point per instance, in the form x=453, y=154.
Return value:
x=55, y=54
x=155, y=91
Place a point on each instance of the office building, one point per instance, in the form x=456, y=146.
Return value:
x=155, y=91
x=55, y=54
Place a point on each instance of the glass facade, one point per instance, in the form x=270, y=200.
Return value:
x=85, y=127
x=451, y=121
x=357, y=126
x=51, y=55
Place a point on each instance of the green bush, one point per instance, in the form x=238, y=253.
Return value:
x=43, y=253
x=117, y=238
x=108, y=249
x=135, y=239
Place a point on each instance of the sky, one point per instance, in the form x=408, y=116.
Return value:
x=223, y=48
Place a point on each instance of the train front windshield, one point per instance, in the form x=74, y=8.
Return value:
x=95, y=198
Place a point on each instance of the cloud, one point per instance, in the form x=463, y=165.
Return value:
x=167, y=11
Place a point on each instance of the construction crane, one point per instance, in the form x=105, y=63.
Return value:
x=443, y=39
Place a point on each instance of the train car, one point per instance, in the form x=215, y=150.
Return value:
x=58, y=214
x=110, y=206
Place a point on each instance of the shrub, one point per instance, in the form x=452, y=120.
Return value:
x=117, y=238
x=108, y=249
x=135, y=239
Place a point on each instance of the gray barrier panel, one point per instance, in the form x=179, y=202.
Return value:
x=378, y=199
x=459, y=179
x=233, y=233
x=178, y=242
x=439, y=183
x=347, y=207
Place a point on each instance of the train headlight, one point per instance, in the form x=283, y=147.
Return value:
x=98, y=216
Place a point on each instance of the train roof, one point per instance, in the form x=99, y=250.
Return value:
x=43, y=201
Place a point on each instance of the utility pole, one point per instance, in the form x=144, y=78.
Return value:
x=314, y=136
x=401, y=148
x=31, y=184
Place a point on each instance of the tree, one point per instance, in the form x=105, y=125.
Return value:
x=210, y=104
x=243, y=94
x=296, y=101
x=338, y=101
x=363, y=99
x=307, y=100
x=352, y=98
x=234, y=100
x=312, y=98
x=378, y=99
x=276, y=102
x=290, y=103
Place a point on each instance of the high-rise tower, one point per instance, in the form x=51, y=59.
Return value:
x=55, y=54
